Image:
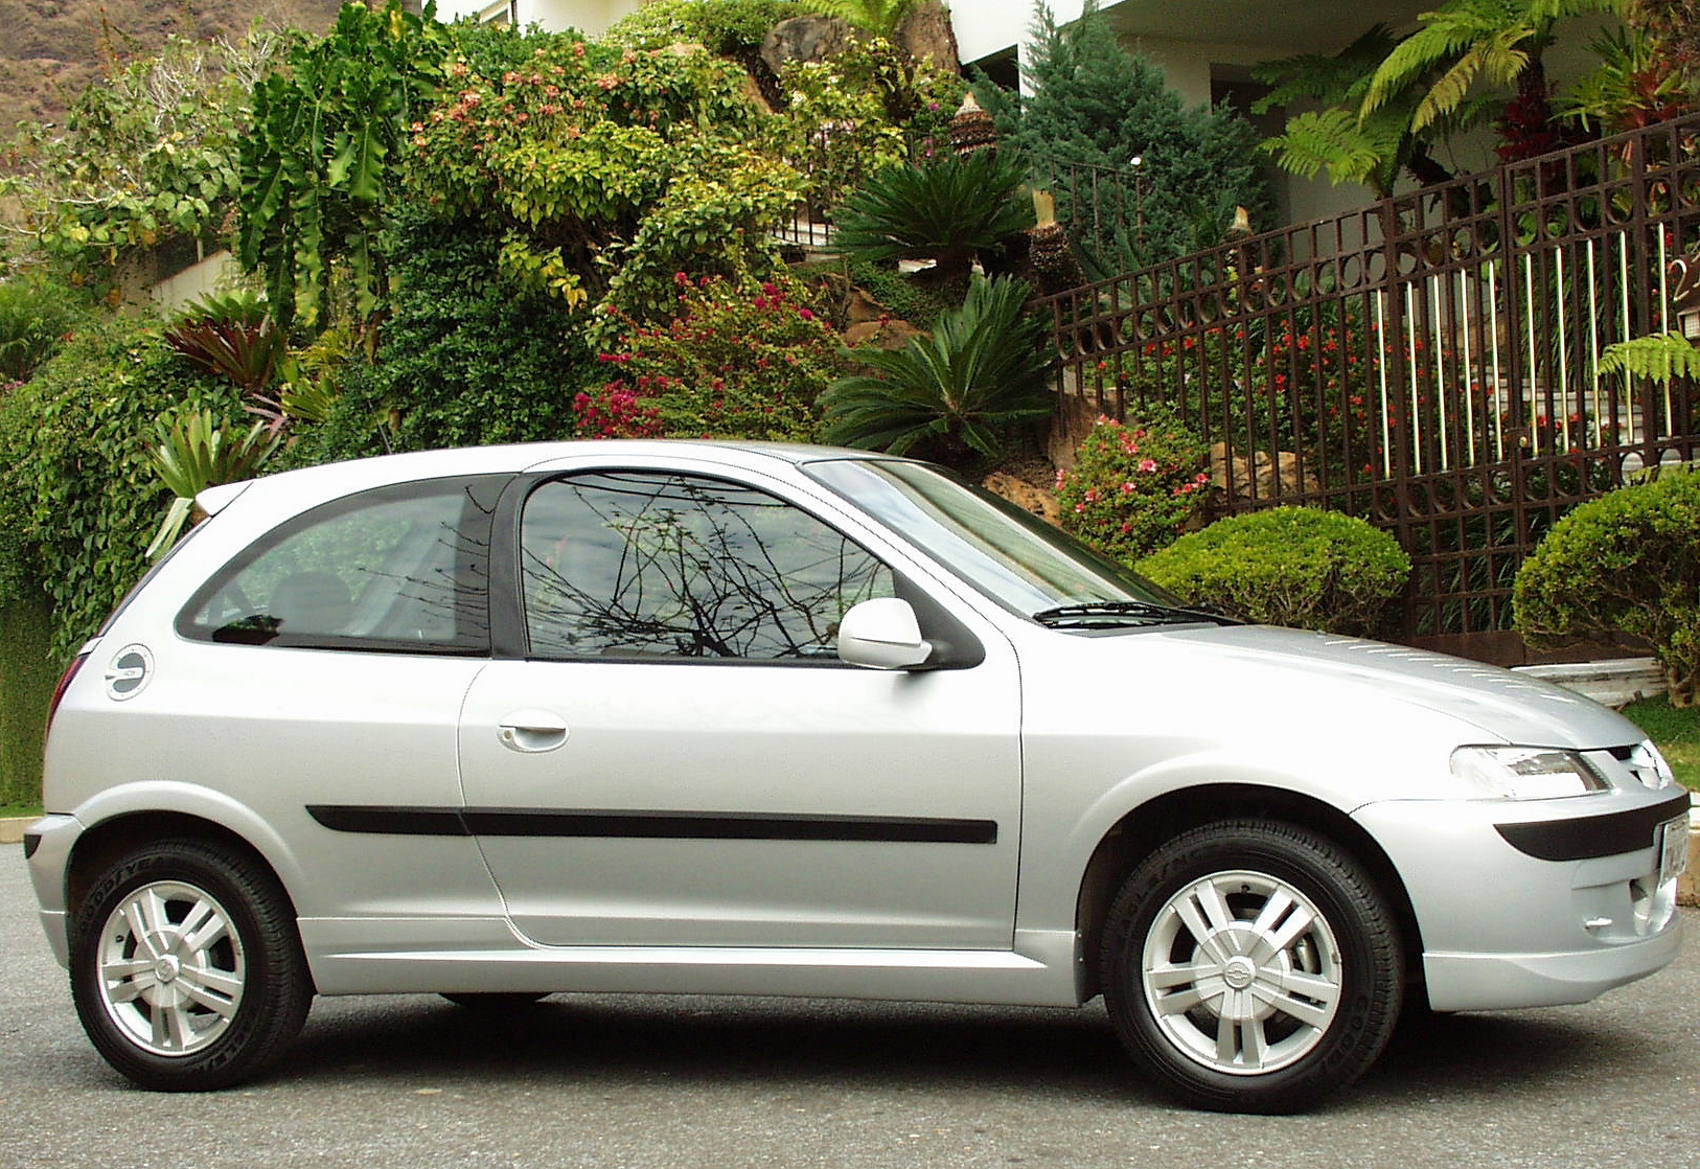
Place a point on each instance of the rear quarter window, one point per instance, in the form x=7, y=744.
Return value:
x=402, y=568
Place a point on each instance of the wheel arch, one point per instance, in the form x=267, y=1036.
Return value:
x=100, y=846
x=1145, y=827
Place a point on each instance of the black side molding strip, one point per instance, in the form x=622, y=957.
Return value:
x=408, y=821
x=389, y=820
x=1592, y=836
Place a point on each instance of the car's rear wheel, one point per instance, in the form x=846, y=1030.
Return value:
x=1252, y=966
x=186, y=969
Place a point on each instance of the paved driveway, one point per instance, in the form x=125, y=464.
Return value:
x=611, y=1081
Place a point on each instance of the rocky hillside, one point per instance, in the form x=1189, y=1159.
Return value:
x=51, y=49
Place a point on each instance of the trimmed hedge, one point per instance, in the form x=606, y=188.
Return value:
x=1296, y=566
x=28, y=673
x=1627, y=562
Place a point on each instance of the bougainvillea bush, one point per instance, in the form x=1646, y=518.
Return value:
x=1135, y=486
x=745, y=358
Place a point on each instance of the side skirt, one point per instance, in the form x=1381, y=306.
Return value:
x=367, y=956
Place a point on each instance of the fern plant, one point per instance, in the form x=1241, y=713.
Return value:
x=1500, y=41
x=947, y=209
x=1353, y=143
x=954, y=394
x=1659, y=357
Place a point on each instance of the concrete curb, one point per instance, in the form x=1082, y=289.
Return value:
x=12, y=829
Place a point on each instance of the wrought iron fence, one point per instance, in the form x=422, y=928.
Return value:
x=1429, y=363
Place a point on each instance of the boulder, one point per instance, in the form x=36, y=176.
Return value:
x=1025, y=495
x=805, y=38
x=1274, y=477
x=884, y=332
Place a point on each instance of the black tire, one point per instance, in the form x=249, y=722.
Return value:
x=502, y=1000
x=217, y=985
x=1292, y=990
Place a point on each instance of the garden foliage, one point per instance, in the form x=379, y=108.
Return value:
x=948, y=208
x=35, y=320
x=78, y=499
x=147, y=156
x=1134, y=487
x=603, y=172
x=1626, y=562
x=867, y=108
x=962, y=392
x=319, y=163
x=743, y=359
x=1295, y=566
x=465, y=357
x=1091, y=102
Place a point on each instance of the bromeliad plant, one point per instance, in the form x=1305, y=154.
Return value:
x=956, y=394
x=194, y=451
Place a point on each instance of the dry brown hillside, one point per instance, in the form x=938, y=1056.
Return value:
x=51, y=49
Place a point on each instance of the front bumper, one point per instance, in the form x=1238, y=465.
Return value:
x=1506, y=925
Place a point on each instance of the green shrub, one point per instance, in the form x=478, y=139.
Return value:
x=744, y=359
x=904, y=297
x=78, y=500
x=27, y=674
x=35, y=318
x=466, y=357
x=1627, y=562
x=1088, y=101
x=952, y=395
x=1134, y=488
x=1295, y=566
x=726, y=27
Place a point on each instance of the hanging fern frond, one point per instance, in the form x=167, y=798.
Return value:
x=1330, y=139
x=1659, y=357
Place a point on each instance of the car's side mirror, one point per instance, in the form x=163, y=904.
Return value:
x=883, y=634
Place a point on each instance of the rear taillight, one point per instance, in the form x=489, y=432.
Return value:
x=64, y=685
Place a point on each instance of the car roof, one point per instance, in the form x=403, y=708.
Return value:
x=332, y=480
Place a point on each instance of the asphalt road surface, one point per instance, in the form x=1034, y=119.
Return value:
x=612, y=1081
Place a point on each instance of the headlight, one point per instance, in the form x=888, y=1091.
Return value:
x=1648, y=766
x=1525, y=773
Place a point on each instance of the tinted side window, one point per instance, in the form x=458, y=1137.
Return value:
x=402, y=568
x=637, y=563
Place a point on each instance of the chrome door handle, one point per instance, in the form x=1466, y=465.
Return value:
x=532, y=731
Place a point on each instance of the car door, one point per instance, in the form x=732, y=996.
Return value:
x=681, y=759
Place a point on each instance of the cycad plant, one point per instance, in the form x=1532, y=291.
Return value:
x=948, y=208
x=954, y=394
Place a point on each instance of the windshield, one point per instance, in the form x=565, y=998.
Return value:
x=1014, y=558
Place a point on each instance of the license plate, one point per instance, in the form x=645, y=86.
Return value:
x=1672, y=841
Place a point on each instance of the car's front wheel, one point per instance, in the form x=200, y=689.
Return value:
x=185, y=967
x=1252, y=966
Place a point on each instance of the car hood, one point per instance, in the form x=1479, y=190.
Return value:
x=1295, y=665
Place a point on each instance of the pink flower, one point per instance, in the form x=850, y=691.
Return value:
x=805, y=314
x=1147, y=466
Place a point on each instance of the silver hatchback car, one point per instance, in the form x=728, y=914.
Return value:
x=701, y=718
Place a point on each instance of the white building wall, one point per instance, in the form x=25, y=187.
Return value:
x=591, y=17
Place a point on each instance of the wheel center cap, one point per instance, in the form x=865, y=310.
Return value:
x=1239, y=972
x=167, y=968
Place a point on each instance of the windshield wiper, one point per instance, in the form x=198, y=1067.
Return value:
x=1108, y=614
